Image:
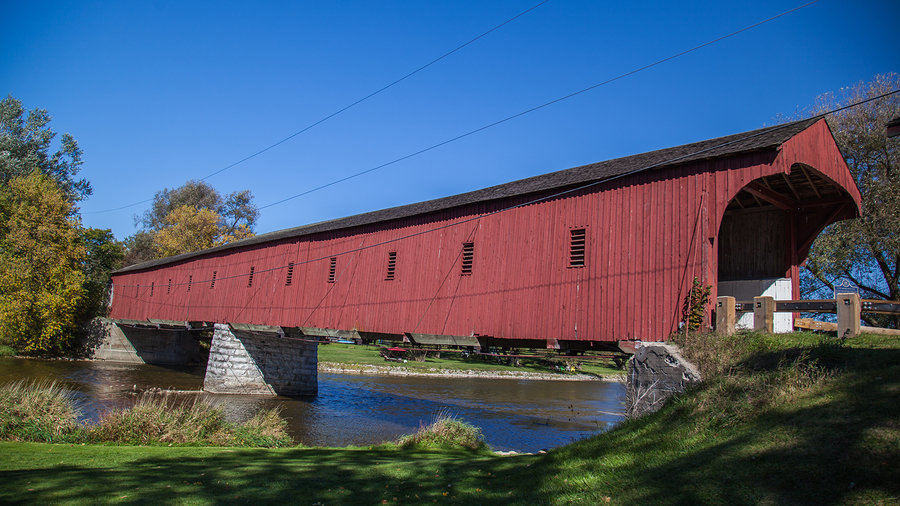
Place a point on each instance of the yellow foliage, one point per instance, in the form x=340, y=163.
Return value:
x=241, y=232
x=188, y=228
x=41, y=253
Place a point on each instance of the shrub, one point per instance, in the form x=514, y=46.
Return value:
x=37, y=411
x=446, y=432
x=693, y=309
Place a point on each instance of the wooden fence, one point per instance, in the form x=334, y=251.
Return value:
x=848, y=307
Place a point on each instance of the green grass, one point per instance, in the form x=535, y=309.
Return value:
x=789, y=420
x=7, y=351
x=349, y=354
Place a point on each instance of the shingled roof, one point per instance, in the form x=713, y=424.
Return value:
x=746, y=142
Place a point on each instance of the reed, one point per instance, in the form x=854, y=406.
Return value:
x=44, y=412
x=445, y=432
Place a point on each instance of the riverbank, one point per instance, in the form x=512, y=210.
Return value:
x=341, y=358
x=786, y=419
x=399, y=370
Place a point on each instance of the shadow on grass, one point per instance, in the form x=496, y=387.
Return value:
x=835, y=442
x=303, y=475
x=831, y=444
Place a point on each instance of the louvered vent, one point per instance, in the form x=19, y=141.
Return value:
x=290, y=274
x=169, y=288
x=152, y=285
x=332, y=269
x=576, y=247
x=190, y=281
x=212, y=284
x=468, y=256
x=392, y=265
x=250, y=277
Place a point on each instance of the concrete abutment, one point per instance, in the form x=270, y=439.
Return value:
x=147, y=342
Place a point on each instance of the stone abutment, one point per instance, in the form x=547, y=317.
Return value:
x=261, y=360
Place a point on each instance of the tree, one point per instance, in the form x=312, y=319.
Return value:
x=189, y=229
x=42, y=257
x=866, y=250
x=236, y=211
x=140, y=247
x=190, y=218
x=25, y=145
x=55, y=273
x=103, y=254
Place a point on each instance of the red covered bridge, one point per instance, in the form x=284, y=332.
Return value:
x=592, y=255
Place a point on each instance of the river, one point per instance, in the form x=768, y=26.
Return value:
x=520, y=415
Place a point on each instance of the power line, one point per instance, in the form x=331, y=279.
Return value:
x=348, y=106
x=538, y=107
x=541, y=199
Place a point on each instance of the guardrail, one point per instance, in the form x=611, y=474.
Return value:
x=848, y=307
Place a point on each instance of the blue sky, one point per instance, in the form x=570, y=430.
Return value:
x=158, y=93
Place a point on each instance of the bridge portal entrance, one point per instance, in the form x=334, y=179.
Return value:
x=767, y=230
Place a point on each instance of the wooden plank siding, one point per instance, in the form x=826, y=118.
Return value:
x=647, y=236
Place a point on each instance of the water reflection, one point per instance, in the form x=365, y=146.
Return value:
x=361, y=410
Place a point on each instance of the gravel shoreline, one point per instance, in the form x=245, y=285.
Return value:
x=377, y=370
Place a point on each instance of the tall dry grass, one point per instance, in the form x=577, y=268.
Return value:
x=714, y=354
x=40, y=411
x=445, y=432
x=37, y=411
x=750, y=372
x=159, y=419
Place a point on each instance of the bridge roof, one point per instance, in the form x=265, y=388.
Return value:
x=719, y=147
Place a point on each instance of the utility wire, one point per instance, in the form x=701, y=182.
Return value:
x=546, y=197
x=541, y=106
x=346, y=107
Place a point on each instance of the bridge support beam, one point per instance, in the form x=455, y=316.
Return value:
x=261, y=360
x=146, y=342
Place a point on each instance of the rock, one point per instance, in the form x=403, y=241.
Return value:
x=656, y=372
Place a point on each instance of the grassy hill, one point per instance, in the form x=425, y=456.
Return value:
x=786, y=419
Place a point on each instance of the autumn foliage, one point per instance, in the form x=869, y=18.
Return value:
x=41, y=257
x=189, y=228
x=192, y=217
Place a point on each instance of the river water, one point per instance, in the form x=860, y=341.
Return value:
x=521, y=415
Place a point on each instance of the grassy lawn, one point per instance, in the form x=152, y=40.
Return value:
x=7, y=351
x=790, y=420
x=350, y=354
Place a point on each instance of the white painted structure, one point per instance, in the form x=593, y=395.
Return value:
x=746, y=289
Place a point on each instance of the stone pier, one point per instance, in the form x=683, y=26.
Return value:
x=261, y=360
x=146, y=342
